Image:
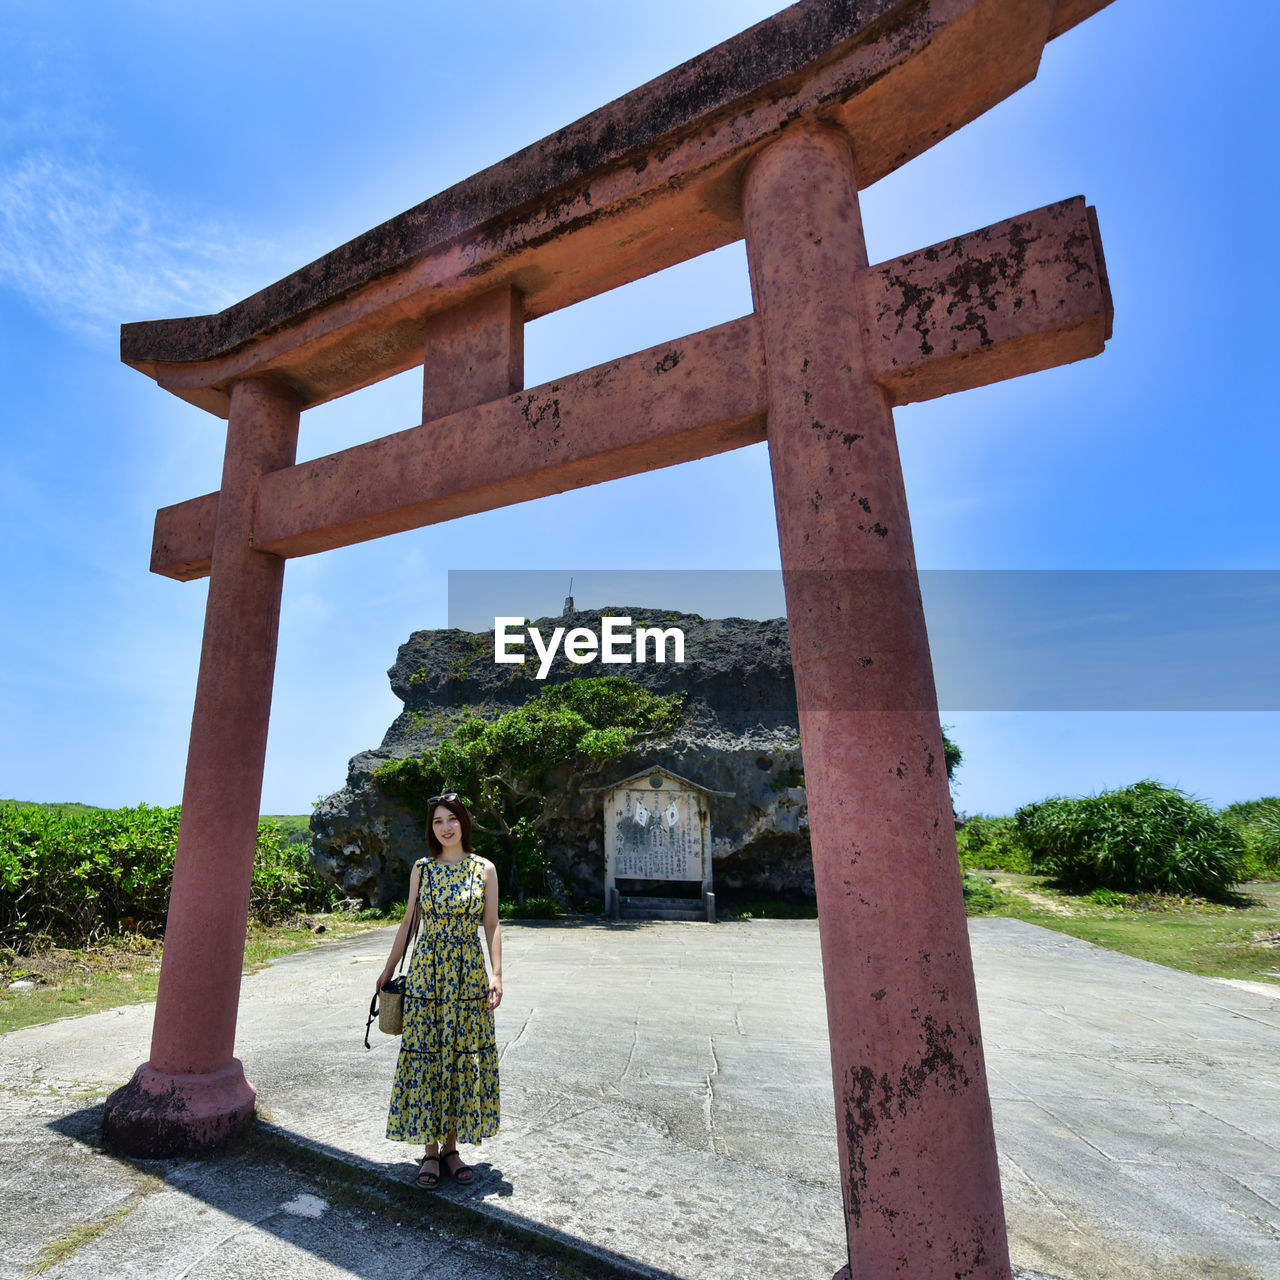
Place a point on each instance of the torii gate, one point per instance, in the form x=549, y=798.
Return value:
x=769, y=137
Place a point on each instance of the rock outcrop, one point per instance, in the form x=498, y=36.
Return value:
x=740, y=735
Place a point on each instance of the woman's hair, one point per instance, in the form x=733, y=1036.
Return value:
x=459, y=811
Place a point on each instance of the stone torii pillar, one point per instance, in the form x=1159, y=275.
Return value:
x=768, y=138
x=911, y=1095
x=191, y=1089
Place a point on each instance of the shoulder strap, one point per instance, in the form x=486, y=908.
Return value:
x=413, y=928
x=411, y=939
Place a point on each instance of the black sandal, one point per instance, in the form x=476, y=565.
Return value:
x=464, y=1173
x=426, y=1180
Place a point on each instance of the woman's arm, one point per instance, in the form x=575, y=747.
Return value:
x=493, y=934
x=402, y=933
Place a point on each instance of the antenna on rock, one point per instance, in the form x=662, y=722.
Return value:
x=568, y=600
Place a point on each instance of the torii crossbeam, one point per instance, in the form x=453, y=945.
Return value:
x=766, y=138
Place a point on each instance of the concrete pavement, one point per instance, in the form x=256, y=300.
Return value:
x=667, y=1112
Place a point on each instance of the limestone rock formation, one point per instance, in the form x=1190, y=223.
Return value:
x=740, y=735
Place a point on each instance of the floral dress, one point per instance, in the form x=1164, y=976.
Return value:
x=447, y=1073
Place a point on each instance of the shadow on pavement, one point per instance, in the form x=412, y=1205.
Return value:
x=233, y=1181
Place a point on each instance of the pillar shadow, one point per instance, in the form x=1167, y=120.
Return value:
x=464, y=1212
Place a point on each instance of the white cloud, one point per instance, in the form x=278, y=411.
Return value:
x=90, y=248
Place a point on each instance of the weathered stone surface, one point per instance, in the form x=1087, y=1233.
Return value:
x=740, y=735
x=638, y=185
x=1027, y=293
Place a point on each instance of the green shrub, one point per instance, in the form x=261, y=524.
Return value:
x=1258, y=822
x=1108, y=897
x=980, y=898
x=543, y=908
x=992, y=844
x=284, y=881
x=1146, y=837
x=76, y=877
x=72, y=878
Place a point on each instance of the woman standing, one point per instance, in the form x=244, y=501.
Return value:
x=446, y=1082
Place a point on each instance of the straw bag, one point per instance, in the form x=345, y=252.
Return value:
x=391, y=1007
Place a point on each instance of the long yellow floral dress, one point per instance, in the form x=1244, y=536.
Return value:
x=447, y=1073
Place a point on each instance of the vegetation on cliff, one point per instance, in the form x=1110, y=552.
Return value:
x=505, y=769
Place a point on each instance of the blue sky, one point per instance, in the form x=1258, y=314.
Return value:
x=160, y=160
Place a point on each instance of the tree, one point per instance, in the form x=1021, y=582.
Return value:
x=508, y=769
x=952, y=756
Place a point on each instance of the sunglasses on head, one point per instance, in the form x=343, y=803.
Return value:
x=435, y=800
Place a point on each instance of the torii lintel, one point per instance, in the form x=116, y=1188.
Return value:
x=643, y=183
x=1022, y=295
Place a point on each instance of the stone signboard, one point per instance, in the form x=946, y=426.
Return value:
x=657, y=827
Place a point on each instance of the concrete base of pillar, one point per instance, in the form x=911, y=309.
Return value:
x=157, y=1115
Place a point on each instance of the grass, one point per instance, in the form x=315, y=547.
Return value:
x=763, y=909
x=72, y=982
x=1235, y=938
x=125, y=970
x=62, y=807
x=294, y=828
x=71, y=1242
